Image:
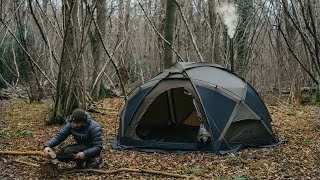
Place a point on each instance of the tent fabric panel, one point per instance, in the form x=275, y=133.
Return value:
x=246, y=131
x=219, y=77
x=166, y=73
x=244, y=113
x=256, y=104
x=189, y=65
x=218, y=109
x=149, y=84
x=132, y=106
x=225, y=92
x=160, y=76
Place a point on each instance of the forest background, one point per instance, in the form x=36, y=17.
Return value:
x=56, y=55
x=80, y=51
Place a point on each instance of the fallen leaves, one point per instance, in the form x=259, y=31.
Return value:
x=298, y=158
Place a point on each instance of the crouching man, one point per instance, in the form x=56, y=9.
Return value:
x=87, y=134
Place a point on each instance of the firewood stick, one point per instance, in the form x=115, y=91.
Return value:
x=32, y=153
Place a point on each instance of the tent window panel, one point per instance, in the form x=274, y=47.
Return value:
x=246, y=131
x=156, y=124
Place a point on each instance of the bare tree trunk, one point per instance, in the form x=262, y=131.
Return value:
x=123, y=67
x=169, y=32
x=291, y=32
x=158, y=41
x=215, y=32
x=97, y=49
x=67, y=93
x=279, y=64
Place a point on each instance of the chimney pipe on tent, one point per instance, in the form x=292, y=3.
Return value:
x=231, y=54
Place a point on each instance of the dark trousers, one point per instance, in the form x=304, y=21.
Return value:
x=68, y=153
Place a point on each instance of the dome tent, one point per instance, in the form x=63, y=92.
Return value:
x=195, y=107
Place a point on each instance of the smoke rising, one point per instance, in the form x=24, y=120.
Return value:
x=229, y=15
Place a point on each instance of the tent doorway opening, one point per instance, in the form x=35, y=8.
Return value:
x=171, y=117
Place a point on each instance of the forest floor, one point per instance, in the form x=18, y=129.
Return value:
x=22, y=129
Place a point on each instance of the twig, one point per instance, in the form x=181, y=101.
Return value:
x=27, y=163
x=129, y=170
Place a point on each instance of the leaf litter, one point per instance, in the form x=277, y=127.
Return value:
x=298, y=158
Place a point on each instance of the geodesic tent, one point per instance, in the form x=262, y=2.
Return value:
x=195, y=107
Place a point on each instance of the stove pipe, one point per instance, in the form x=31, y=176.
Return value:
x=231, y=54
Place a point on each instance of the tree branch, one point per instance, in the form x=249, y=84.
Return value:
x=303, y=36
x=155, y=29
x=25, y=51
x=295, y=56
x=190, y=33
x=41, y=31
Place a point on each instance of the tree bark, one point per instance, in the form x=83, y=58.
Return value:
x=169, y=32
x=97, y=49
x=215, y=32
x=68, y=92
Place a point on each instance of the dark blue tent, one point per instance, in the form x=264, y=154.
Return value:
x=195, y=107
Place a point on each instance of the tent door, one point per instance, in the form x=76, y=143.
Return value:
x=172, y=117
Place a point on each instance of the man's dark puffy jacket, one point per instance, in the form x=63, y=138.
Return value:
x=90, y=134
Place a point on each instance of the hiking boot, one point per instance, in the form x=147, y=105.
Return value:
x=92, y=164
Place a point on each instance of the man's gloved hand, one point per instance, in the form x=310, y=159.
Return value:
x=46, y=151
x=79, y=156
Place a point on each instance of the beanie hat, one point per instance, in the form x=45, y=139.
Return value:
x=78, y=115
